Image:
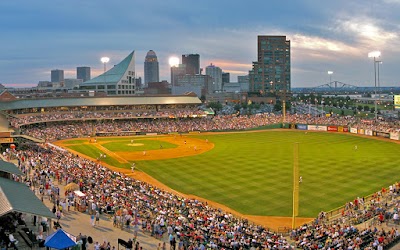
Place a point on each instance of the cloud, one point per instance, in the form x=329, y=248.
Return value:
x=366, y=32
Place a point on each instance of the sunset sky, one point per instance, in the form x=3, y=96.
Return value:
x=38, y=36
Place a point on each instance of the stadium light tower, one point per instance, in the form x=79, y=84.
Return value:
x=330, y=76
x=105, y=60
x=379, y=82
x=375, y=54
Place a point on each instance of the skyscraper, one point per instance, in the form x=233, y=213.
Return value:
x=151, y=71
x=226, y=78
x=83, y=73
x=192, y=62
x=216, y=74
x=271, y=72
x=57, y=75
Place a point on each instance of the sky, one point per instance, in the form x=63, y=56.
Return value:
x=38, y=36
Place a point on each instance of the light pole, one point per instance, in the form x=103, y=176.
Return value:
x=105, y=60
x=375, y=54
x=379, y=83
x=330, y=76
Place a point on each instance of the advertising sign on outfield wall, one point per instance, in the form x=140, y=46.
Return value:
x=317, y=127
x=332, y=128
x=381, y=134
x=301, y=126
x=396, y=101
x=368, y=132
x=353, y=130
x=360, y=131
x=395, y=136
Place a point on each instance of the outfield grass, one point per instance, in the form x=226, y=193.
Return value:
x=252, y=172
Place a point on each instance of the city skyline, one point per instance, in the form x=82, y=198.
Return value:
x=325, y=36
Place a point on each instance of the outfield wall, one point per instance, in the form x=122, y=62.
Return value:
x=346, y=129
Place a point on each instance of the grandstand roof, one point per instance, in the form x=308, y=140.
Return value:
x=16, y=196
x=113, y=75
x=98, y=101
x=9, y=167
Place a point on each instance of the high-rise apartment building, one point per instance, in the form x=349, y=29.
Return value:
x=216, y=75
x=57, y=75
x=83, y=73
x=151, y=70
x=271, y=72
x=192, y=62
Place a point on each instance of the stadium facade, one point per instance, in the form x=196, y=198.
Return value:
x=118, y=81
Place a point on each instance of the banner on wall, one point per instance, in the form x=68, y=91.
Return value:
x=368, y=132
x=353, y=130
x=394, y=136
x=317, y=127
x=332, y=129
x=381, y=134
x=301, y=126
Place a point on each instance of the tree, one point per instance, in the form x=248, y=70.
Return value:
x=366, y=108
x=278, y=105
x=217, y=106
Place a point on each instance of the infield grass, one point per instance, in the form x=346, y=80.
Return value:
x=252, y=172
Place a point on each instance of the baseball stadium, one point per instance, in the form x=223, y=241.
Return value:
x=257, y=181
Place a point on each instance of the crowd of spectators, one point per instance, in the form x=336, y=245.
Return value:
x=193, y=223
x=32, y=118
x=126, y=126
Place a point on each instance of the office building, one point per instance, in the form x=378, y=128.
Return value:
x=199, y=84
x=176, y=71
x=216, y=75
x=83, y=73
x=192, y=63
x=151, y=70
x=57, y=75
x=226, y=78
x=72, y=83
x=270, y=75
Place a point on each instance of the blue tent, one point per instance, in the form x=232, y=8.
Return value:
x=60, y=240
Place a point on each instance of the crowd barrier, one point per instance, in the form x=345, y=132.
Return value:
x=345, y=129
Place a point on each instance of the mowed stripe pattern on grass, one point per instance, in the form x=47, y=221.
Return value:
x=252, y=172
